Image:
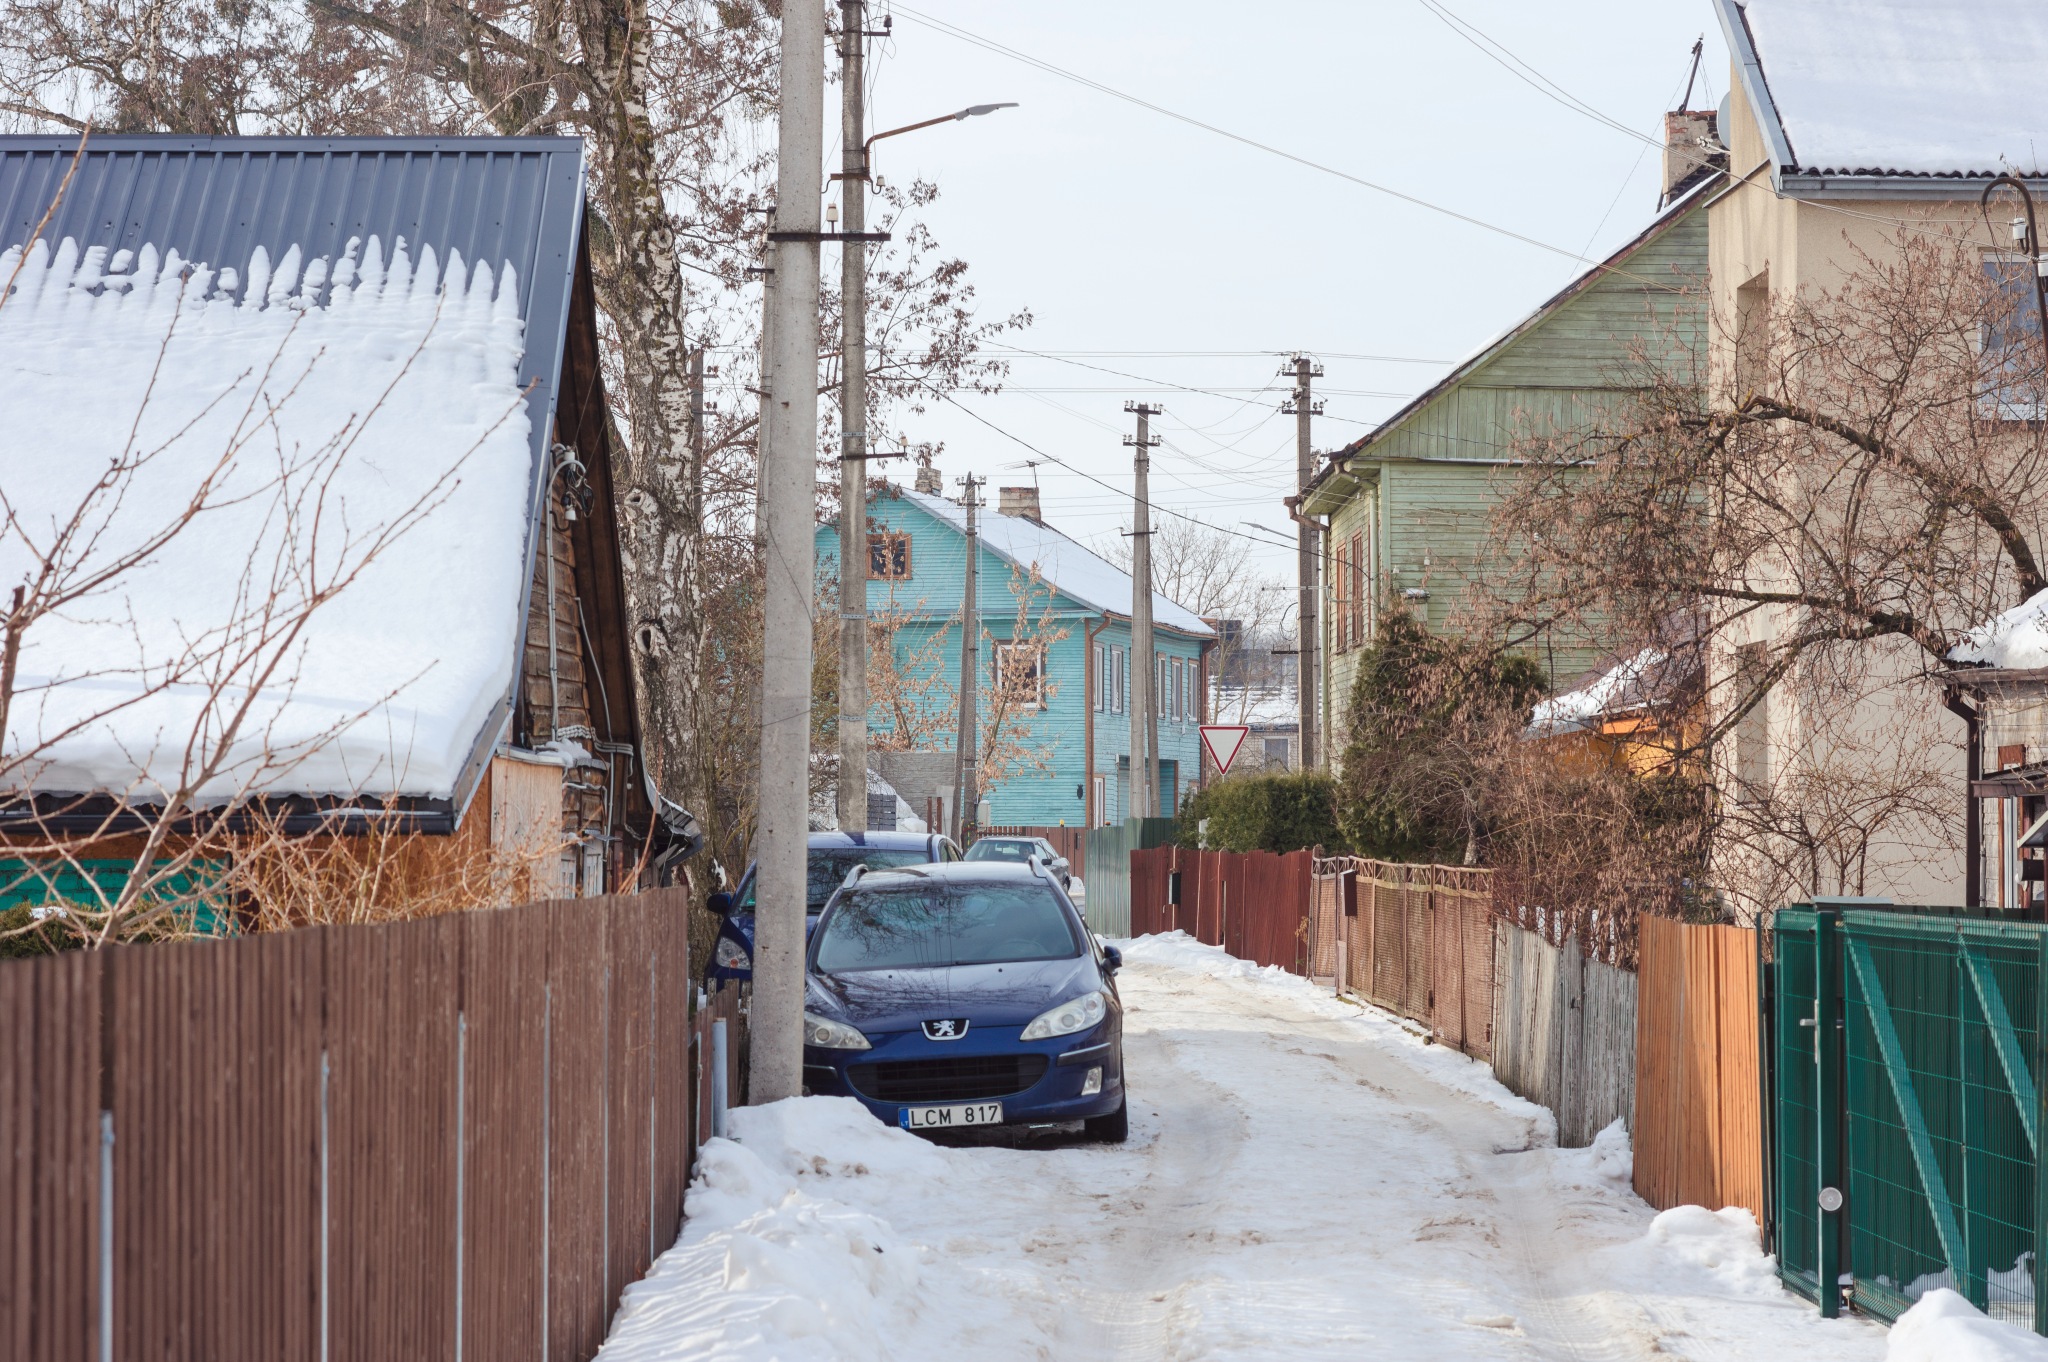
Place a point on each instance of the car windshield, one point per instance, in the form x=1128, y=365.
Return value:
x=828, y=869
x=1002, y=849
x=932, y=926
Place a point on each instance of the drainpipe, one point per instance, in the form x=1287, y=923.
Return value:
x=1973, y=821
x=1307, y=678
x=1088, y=689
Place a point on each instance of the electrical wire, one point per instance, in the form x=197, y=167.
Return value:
x=990, y=45
x=1110, y=487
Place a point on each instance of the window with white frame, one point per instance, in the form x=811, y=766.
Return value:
x=1020, y=672
x=1116, y=679
x=1100, y=673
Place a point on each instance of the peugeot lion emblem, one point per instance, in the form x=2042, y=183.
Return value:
x=946, y=1028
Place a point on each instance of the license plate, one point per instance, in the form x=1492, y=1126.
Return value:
x=951, y=1118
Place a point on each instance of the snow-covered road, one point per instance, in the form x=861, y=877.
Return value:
x=1305, y=1179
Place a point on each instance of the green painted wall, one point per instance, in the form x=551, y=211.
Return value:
x=1421, y=490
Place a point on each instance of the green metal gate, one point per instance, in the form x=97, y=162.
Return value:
x=1907, y=1108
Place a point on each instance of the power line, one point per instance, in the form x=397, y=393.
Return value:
x=990, y=45
x=1054, y=458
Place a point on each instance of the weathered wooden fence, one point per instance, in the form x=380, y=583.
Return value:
x=1071, y=843
x=1254, y=904
x=1415, y=939
x=1564, y=1032
x=455, y=1137
x=1698, y=1128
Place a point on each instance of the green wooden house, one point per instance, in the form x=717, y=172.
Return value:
x=1407, y=506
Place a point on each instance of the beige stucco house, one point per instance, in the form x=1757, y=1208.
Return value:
x=1847, y=123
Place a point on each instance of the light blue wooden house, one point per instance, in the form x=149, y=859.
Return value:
x=1078, y=639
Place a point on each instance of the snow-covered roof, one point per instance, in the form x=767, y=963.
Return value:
x=358, y=380
x=1076, y=571
x=2017, y=639
x=1625, y=686
x=1258, y=706
x=1895, y=87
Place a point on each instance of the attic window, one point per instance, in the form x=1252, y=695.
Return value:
x=888, y=557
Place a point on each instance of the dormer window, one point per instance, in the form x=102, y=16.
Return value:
x=888, y=557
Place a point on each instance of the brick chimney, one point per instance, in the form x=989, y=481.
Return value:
x=1021, y=502
x=927, y=480
x=1692, y=151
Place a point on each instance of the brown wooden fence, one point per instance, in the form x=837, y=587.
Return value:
x=1698, y=1122
x=1417, y=940
x=1071, y=843
x=1254, y=904
x=457, y=1137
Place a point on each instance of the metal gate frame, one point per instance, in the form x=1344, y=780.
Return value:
x=1906, y=1054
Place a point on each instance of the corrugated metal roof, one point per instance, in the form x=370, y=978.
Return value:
x=216, y=199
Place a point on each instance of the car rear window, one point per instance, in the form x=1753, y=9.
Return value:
x=828, y=867
x=928, y=927
x=991, y=850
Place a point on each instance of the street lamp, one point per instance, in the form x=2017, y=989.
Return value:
x=971, y=111
x=853, y=420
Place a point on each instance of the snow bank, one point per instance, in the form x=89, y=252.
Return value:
x=1178, y=950
x=773, y=1261
x=1944, y=1327
x=403, y=386
x=2017, y=638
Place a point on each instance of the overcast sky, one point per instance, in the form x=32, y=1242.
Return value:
x=1157, y=249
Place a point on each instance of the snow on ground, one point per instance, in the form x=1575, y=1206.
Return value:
x=1305, y=1179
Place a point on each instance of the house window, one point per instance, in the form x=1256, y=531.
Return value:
x=1340, y=601
x=888, y=557
x=1276, y=752
x=1356, y=586
x=1098, y=801
x=1752, y=730
x=2011, y=341
x=1099, y=663
x=1020, y=672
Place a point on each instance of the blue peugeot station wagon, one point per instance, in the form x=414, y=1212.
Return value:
x=830, y=858
x=960, y=995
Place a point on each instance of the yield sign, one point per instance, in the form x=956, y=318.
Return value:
x=1223, y=741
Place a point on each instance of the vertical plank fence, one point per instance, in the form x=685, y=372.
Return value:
x=457, y=1137
x=1414, y=939
x=1698, y=1127
x=1564, y=1032
x=1254, y=904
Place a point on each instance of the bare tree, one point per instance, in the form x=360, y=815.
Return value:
x=1854, y=481
x=673, y=99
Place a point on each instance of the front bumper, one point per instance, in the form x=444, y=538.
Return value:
x=1053, y=1097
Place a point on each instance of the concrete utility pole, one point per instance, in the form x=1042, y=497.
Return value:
x=853, y=421
x=1144, y=667
x=788, y=489
x=1302, y=405
x=967, y=745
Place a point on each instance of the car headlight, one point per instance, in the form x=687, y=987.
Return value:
x=831, y=1035
x=730, y=954
x=1075, y=1014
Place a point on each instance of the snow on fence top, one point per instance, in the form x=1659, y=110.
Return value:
x=376, y=447
x=1918, y=87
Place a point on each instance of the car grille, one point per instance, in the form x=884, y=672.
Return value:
x=963, y=1078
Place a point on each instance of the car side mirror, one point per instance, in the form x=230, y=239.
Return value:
x=1061, y=865
x=720, y=903
x=1112, y=959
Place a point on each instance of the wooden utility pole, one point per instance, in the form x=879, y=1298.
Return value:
x=968, y=758
x=1302, y=405
x=853, y=421
x=1144, y=666
x=788, y=487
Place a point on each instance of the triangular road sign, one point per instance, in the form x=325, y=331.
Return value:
x=1223, y=741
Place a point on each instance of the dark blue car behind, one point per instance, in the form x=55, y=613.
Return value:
x=958, y=995
x=832, y=855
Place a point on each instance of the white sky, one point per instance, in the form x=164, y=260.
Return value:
x=1126, y=231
